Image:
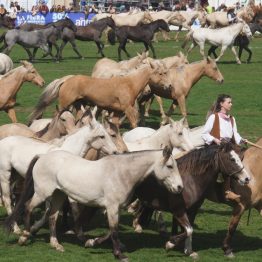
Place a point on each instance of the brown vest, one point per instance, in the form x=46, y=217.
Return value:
x=215, y=132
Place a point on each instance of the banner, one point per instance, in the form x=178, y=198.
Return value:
x=79, y=18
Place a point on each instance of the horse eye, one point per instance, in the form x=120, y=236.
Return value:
x=169, y=166
x=233, y=159
x=102, y=137
x=114, y=135
x=180, y=133
x=63, y=119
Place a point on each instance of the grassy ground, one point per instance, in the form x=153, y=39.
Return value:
x=243, y=82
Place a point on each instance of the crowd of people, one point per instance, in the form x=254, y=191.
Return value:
x=42, y=8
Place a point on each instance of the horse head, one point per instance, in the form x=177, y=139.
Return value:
x=147, y=17
x=246, y=30
x=167, y=172
x=159, y=74
x=230, y=163
x=102, y=140
x=110, y=21
x=32, y=75
x=212, y=71
x=70, y=24
x=179, y=134
x=162, y=24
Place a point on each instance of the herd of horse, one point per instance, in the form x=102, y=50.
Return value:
x=73, y=159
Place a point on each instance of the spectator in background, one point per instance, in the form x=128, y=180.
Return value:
x=12, y=10
x=221, y=8
x=59, y=9
x=71, y=8
x=34, y=9
x=3, y=11
x=82, y=5
x=53, y=8
x=18, y=7
x=176, y=6
x=208, y=8
x=43, y=8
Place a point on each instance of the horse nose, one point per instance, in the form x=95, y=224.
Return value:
x=179, y=188
x=247, y=180
x=115, y=153
x=220, y=81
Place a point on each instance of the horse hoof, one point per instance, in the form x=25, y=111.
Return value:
x=123, y=258
x=239, y=62
x=169, y=245
x=90, y=243
x=146, y=115
x=69, y=232
x=82, y=57
x=194, y=255
x=59, y=248
x=230, y=255
x=138, y=229
x=22, y=240
x=17, y=230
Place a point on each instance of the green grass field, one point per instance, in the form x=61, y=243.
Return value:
x=242, y=82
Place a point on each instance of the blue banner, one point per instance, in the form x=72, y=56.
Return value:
x=80, y=19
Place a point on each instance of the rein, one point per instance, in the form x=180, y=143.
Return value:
x=233, y=173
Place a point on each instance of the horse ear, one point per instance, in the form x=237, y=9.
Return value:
x=209, y=59
x=24, y=63
x=167, y=152
x=93, y=112
x=184, y=121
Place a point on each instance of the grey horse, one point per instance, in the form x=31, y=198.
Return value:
x=33, y=39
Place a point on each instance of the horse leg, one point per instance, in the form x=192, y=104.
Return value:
x=12, y=115
x=249, y=53
x=132, y=115
x=30, y=56
x=223, y=48
x=148, y=105
x=161, y=108
x=182, y=105
x=29, y=207
x=235, y=53
x=183, y=221
x=113, y=220
x=191, y=47
x=234, y=221
x=72, y=42
x=124, y=48
x=177, y=33
x=99, y=47
x=57, y=201
x=6, y=196
x=202, y=50
x=212, y=50
x=152, y=49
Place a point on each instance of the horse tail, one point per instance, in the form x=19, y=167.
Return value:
x=187, y=38
x=49, y=94
x=2, y=37
x=111, y=37
x=27, y=193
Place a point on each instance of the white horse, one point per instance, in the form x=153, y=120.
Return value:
x=140, y=133
x=6, y=64
x=16, y=152
x=223, y=37
x=173, y=135
x=107, y=183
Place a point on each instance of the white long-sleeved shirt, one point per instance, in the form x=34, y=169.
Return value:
x=226, y=130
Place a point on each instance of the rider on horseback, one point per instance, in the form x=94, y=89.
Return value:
x=231, y=16
x=221, y=127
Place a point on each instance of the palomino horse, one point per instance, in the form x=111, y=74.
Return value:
x=62, y=124
x=117, y=94
x=11, y=82
x=139, y=33
x=199, y=170
x=90, y=32
x=223, y=37
x=106, y=68
x=14, y=156
x=91, y=186
x=183, y=78
x=6, y=64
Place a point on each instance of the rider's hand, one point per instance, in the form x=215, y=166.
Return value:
x=217, y=141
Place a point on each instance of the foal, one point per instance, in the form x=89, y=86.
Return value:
x=140, y=33
x=52, y=174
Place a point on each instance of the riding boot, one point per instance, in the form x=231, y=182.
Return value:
x=230, y=195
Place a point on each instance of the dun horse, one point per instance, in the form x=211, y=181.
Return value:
x=140, y=33
x=199, y=170
x=11, y=82
x=117, y=94
x=92, y=187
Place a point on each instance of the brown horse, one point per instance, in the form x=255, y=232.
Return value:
x=117, y=94
x=184, y=78
x=199, y=170
x=11, y=82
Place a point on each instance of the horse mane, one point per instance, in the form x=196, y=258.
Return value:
x=10, y=72
x=199, y=160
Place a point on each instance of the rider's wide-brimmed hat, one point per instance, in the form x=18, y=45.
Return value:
x=230, y=8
